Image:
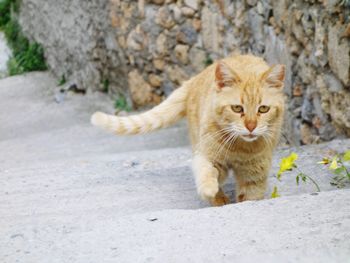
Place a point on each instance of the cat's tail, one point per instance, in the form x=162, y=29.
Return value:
x=163, y=115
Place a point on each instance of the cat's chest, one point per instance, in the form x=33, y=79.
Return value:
x=234, y=157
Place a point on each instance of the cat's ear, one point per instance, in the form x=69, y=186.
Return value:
x=225, y=76
x=274, y=77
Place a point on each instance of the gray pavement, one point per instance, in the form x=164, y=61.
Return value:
x=73, y=193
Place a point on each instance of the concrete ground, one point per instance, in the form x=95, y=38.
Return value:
x=73, y=193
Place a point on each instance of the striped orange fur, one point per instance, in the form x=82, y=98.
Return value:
x=161, y=116
x=235, y=111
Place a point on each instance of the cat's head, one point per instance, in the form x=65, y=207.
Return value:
x=249, y=104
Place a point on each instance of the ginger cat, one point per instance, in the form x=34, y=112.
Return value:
x=235, y=111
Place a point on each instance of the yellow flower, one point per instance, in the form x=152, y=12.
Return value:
x=346, y=156
x=325, y=160
x=334, y=164
x=287, y=164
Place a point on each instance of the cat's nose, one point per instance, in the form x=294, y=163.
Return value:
x=250, y=125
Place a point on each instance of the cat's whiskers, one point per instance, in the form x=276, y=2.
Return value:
x=226, y=141
x=218, y=144
x=233, y=140
x=267, y=136
x=213, y=137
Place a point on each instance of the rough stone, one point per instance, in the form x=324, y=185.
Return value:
x=197, y=24
x=161, y=43
x=158, y=2
x=159, y=64
x=187, y=35
x=177, y=75
x=155, y=80
x=177, y=13
x=181, y=52
x=187, y=11
x=210, y=31
x=333, y=84
x=194, y=4
x=164, y=17
x=136, y=39
x=257, y=26
x=307, y=110
x=336, y=105
x=339, y=53
x=141, y=91
x=198, y=57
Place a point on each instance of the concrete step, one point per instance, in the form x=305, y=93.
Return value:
x=36, y=128
x=304, y=228
x=72, y=193
x=133, y=182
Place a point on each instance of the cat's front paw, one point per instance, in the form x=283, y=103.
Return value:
x=207, y=190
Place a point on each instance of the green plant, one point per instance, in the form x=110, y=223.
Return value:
x=62, y=80
x=26, y=56
x=122, y=104
x=208, y=61
x=105, y=85
x=288, y=164
x=6, y=8
x=337, y=165
x=5, y=12
x=275, y=193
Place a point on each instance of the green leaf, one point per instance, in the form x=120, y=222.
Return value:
x=303, y=177
x=346, y=156
x=297, y=179
x=339, y=170
x=275, y=193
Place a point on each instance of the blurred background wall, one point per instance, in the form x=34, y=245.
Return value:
x=143, y=50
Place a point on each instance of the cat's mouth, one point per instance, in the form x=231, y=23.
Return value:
x=249, y=137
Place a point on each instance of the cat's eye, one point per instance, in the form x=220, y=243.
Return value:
x=237, y=108
x=263, y=109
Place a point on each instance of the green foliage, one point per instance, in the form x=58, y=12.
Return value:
x=105, y=85
x=288, y=164
x=26, y=56
x=62, y=80
x=337, y=165
x=122, y=104
x=7, y=7
x=208, y=61
x=5, y=12
x=275, y=193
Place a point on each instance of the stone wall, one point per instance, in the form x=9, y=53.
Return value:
x=145, y=49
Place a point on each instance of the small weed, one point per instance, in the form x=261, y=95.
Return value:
x=208, y=61
x=105, y=85
x=122, y=104
x=337, y=165
x=62, y=80
x=26, y=56
x=5, y=12
x=275, y=193
x=288, y=164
